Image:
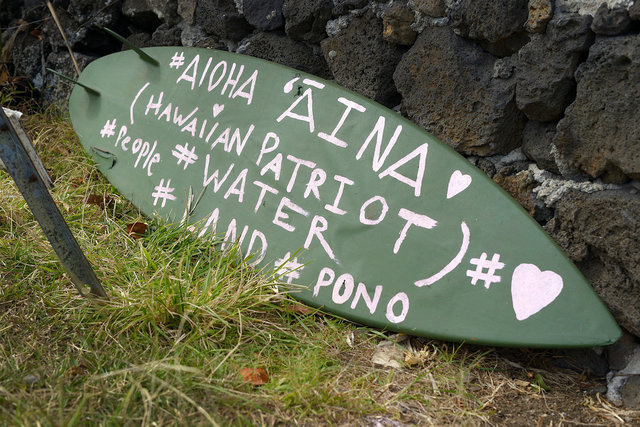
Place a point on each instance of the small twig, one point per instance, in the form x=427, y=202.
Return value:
x=64, y=36
x=18, y=26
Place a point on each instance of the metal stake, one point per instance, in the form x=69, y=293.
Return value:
x=33, y=189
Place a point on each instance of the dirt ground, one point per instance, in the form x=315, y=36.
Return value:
x=502, y=390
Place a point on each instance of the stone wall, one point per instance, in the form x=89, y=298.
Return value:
x=542, y=95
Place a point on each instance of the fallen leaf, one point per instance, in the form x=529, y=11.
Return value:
x=254, y=376
x=4, y=76
x=350, y=339
x=416, y=358
x=388, y=354
x=301, y=309
x=136, y=229
x=103, y=202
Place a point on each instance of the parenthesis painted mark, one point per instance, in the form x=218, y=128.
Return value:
x=289, y=86
x=136, y=100
x=454, y=262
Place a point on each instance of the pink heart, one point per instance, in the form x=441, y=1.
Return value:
x=217, y=109
x=457, y=183
x=532, y=289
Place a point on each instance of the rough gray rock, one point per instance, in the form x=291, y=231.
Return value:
x=599, y=134
x=285, y=51
x=624, y=384
x=264, y=15
x=497, y=25
x=611, y=22
x=599, y=232
x=588, y=7
x=305, y=20
x=545, y=82
x=537, y=142
x=187, y=11
x=220, y=18
x=362, y=61
x=448, y=88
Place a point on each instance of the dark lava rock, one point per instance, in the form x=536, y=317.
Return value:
x=600, y=233
x=220, y=18
x=583, y=360
x=620, y=353
x=141, y=14
x=56, y=90
x=537, y=141
x=634, y=11
x=545, y=81
x=611, y=22
x=9, y=10
x=138, y=40
x=497, y=25
x=432, y=8
x=361, y=60
x=166, y=35
x=82, y=23
x=341, y=7
x=285, y=51
x=306, y=20
x=519, y=183
x=27, y=55
x=51, y=33
x=448, y=88
x=265, y=15
x=599, y=134
x=397, y=24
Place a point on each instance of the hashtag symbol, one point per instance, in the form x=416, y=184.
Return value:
x=483, y=264
x=109, y=129
x=290, y=266
x=163, y=192
x=183, y=154
x=177, y=60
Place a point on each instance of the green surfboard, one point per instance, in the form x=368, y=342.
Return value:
x=369, y=216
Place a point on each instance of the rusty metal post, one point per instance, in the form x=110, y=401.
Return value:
x=31, y=183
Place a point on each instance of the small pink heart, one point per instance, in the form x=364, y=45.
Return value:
x=532, y=289
x=217, y=109
x=457, y=183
